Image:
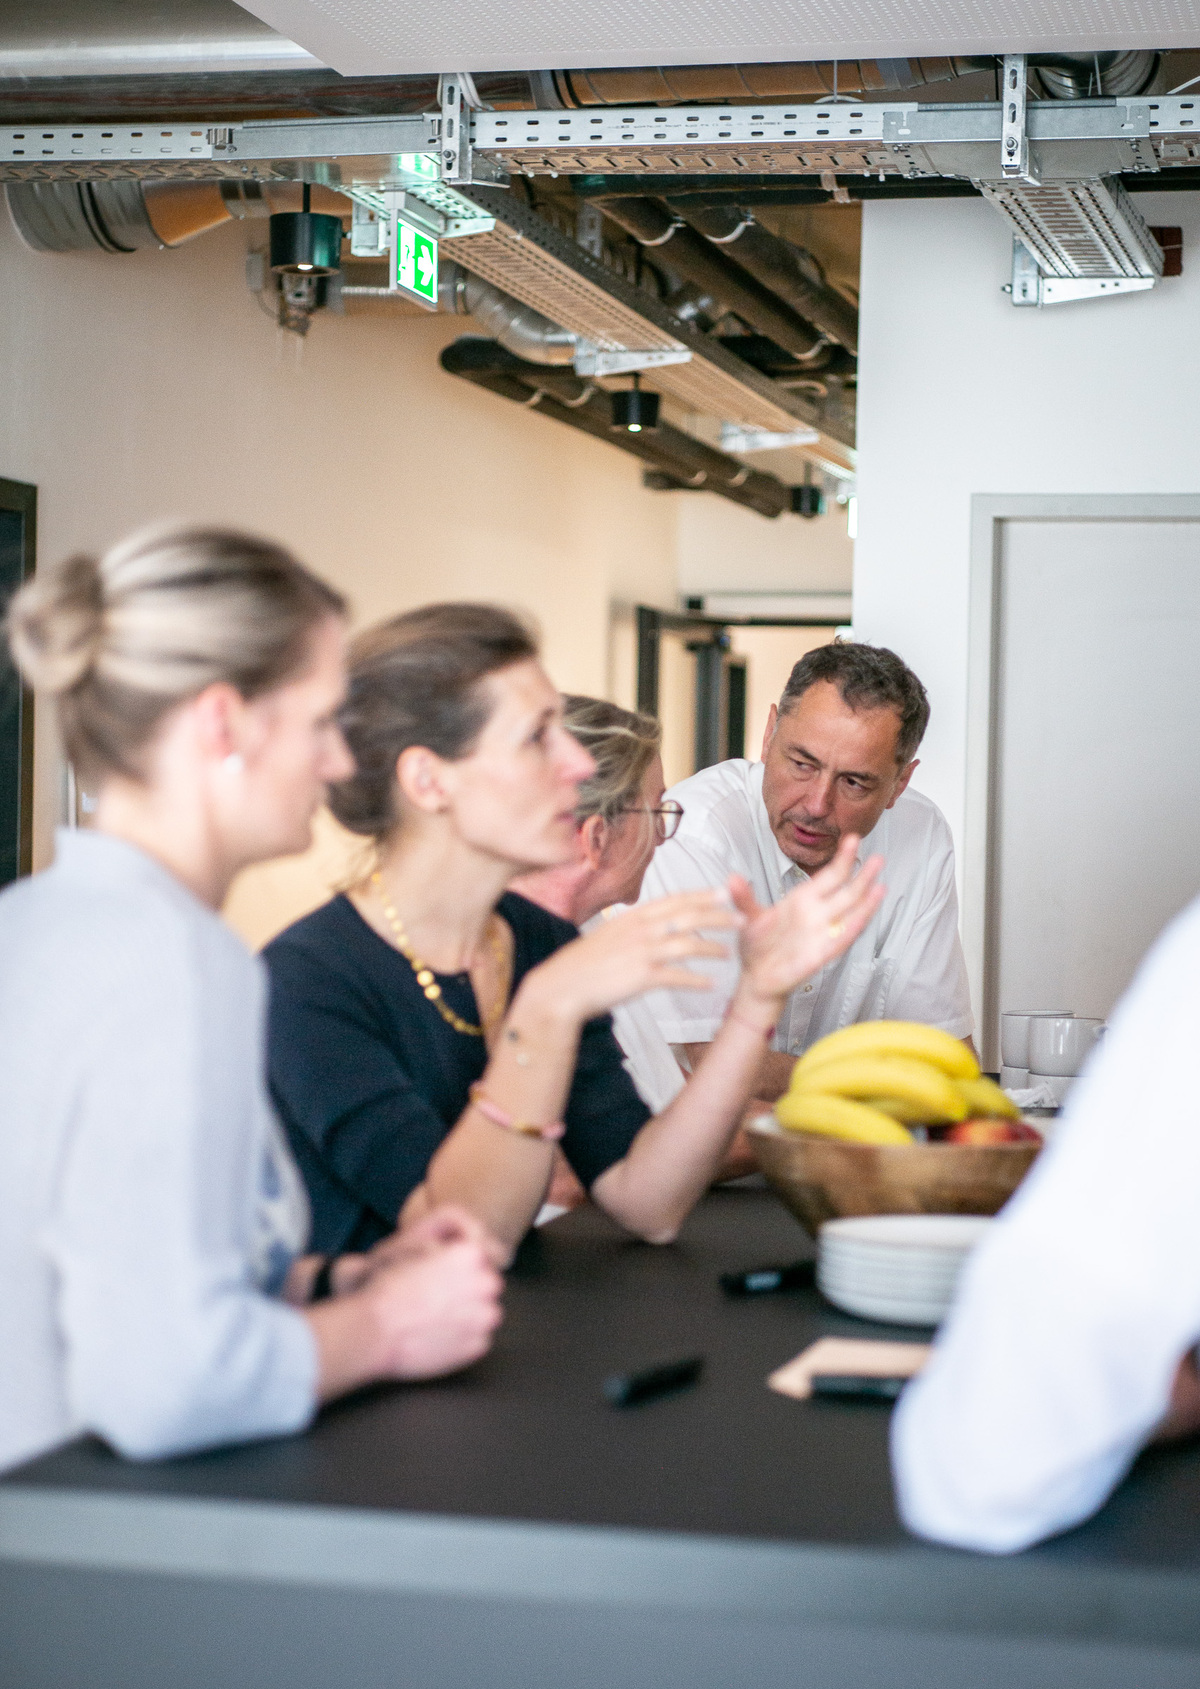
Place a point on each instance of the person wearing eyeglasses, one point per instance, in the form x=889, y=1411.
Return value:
x=622, y=818
x=435, y=1037
x=838, y=754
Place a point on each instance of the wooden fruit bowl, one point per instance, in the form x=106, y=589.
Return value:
x=823, y=1179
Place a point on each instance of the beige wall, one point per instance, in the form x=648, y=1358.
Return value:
x=152, y=386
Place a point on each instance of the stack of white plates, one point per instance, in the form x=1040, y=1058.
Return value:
x=896, y=1267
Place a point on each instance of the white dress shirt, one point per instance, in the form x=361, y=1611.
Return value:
x=1057, y=1359
x=649, y=1059
x=907, y=965
x=147, y=1198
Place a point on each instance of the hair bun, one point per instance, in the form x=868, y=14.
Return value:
x=55, y=625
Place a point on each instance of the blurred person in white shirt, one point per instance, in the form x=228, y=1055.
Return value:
x=838, y=754
x=1072, y=1340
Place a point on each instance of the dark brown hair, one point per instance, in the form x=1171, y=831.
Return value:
x=417, y=680
x=868, y=677
x=120, y=640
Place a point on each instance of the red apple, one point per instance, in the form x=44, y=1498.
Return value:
x=993, y=1131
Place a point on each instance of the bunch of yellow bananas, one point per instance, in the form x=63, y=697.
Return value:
x=868, y=1082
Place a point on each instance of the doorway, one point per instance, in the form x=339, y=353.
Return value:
x=1083, y=795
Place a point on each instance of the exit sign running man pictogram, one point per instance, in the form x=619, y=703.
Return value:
x=416, y=262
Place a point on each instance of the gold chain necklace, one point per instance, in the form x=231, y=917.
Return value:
x=425, y=975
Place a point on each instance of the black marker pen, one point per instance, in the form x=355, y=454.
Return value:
x=866, y=1386
x=626, y=1389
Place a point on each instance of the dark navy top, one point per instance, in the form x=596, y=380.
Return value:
x=368, y=1077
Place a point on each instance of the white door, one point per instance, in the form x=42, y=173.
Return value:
x=1095, y=838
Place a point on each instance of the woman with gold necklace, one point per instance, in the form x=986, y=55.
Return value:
x=433, y=1037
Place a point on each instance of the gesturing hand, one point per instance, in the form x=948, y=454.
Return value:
x=789, y=941
x=643, y=949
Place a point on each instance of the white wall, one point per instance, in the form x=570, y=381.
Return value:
x=963, y=393
x=147, y=386
x=723, y=547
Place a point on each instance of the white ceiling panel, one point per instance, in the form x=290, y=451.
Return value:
x=392, y=37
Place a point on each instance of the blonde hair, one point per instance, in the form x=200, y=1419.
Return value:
x=622, y=743
x=120, y=640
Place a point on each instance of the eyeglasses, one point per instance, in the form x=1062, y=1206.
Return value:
x=667, y=817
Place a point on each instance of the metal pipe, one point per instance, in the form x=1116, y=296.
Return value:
x=783, y=269
x=567, y=398
x=687, y=252
x=518, y=328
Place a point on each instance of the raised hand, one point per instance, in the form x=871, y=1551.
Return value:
x=643, y=949
x=787, y=942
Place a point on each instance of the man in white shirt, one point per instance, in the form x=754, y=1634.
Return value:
x=1072, y=1340
x=838, y=754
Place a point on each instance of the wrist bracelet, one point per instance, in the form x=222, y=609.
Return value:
x=767, y=1032
x=524, y=1128
x=322, y=1284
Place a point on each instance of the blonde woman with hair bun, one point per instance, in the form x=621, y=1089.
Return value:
x=152, y=1247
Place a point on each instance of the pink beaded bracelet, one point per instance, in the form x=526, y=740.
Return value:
x=497, y=1116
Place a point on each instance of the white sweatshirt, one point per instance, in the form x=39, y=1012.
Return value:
x=147, y=1200
x=1056, y=1363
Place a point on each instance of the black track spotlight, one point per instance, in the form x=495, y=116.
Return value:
x=634, y=411
x=305, y=243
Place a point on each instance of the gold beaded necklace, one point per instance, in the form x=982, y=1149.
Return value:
x=425, y=976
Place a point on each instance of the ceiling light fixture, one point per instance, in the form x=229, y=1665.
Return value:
x=306, y=243
x=634, y=411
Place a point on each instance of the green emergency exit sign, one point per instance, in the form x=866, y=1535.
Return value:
x=415, y=262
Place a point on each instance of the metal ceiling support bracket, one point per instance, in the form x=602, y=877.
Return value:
x=455, y=135
x=1014, y=134
x=1030, y=287
x=591, y=360
x=589, y=229
x=737, y=440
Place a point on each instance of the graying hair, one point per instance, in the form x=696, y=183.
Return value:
x=868, y=677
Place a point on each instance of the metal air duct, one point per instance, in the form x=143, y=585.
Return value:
x=518, y=328
x=127, y=215
x=567, y=90
x=1079, y=76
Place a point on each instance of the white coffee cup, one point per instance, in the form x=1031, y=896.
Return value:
x=1014, y=1078
x=1014, y=1033
x=1060, y=1044
x=1059, y=1084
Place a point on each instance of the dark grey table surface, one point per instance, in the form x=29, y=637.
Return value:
x=517, y=1480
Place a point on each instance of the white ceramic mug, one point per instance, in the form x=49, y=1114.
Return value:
x=1014, y=1078
x=1060, y=1044
x=1060, y=1085
x=1014, y=1033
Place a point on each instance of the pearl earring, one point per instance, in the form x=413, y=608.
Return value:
x=234, y=763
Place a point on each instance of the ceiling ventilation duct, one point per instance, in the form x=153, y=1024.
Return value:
x=642, y=85
x=125, y=216
x=518, y=328
x=1081, y=76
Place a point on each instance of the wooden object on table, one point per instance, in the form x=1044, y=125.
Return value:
x=823, y=1179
